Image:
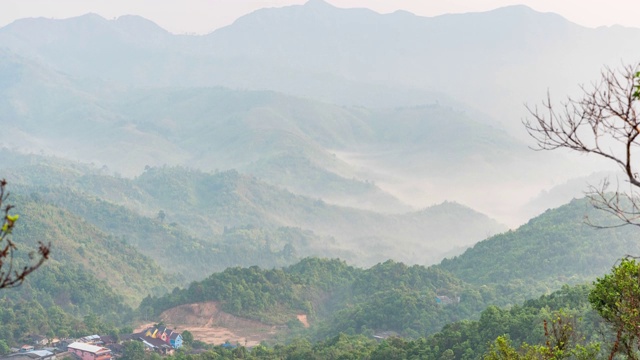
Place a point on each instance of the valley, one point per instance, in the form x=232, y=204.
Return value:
x=313, y=181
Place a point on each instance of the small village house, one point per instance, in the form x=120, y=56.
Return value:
x=170, y=337
x=89, y=352
x=157, y=345
x=31, y=355
x=26, y=348
x=39, y=340
x=90, y=339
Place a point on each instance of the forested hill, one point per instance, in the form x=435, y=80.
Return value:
x=411, y=301
x=554, y=248
x=231, y=199
x=566, y=309
x=391, y=297
x=78, y=244
x=522, y=323
x=90, y=283
x=336, y=297
x=204, y=217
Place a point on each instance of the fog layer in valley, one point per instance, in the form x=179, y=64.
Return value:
x=375, y=116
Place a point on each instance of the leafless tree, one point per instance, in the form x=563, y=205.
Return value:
x=605, y=122
x=10, y=274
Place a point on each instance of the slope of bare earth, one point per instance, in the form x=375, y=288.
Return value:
x=211, y=325
x=303, y=319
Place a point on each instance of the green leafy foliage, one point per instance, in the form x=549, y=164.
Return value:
x=616, y=298
x=562, y=317
x=133, y=350
x=63, y=300
x=636, y=92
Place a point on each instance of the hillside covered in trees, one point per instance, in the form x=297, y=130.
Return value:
x=427, y=306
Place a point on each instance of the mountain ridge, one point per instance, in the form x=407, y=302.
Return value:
x=288, y=141
x=202, y=209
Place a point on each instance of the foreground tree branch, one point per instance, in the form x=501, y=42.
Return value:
x=604, y=122
x=12, y=275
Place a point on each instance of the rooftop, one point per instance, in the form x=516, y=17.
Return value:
x=87, y=347
x=41, y=353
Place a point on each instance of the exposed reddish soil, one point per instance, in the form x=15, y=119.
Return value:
x=303, y=319
x=211, y=325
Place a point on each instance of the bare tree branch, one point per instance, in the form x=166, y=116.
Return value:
x=604, y=121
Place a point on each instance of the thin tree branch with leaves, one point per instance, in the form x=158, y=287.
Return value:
x=12, y=275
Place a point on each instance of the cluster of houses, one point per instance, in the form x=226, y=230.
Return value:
x=94, y=347
x=42, y=349
x=159, y=339
x=86, y=348
x=29, y=353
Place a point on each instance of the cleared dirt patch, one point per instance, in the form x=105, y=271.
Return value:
x=211, y=325
x=303, y=319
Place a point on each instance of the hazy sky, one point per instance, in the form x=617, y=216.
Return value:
x=204, y=16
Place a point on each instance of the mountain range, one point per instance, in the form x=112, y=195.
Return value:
x=295, y=131
x=501, y=51
x=352, y=156
x=385, y=112
x=201, y=211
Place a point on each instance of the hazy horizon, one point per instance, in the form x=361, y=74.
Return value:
x=202, y=17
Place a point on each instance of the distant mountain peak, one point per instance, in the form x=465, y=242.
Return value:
x=31, y=22
x=133, y=18
x=401, y=12
x=524, y=10
x=135, y=23
x=318, y=4
x=517, y=7
x=88, y=19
